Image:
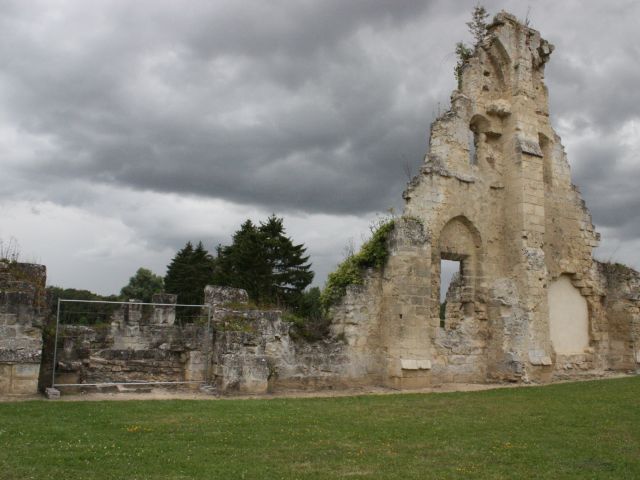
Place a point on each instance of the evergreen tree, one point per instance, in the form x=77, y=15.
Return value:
x=242, y=264
x=290, y=272
x=142, y=285
x=188, y=273
x=265, y=262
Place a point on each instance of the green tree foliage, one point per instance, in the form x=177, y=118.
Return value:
x=309, y=304
x=307, y=316
x=188, y=273
x=142, y=286
x=73, y=313
x=443, y=312
x=463, y=53
x=478, y=24
x=478, y=29
x=265, y=262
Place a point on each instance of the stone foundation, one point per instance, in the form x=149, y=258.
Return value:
x=135, y=346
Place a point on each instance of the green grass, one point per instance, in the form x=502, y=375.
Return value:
x=588, y=430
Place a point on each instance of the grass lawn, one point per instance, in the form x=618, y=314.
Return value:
x=582, y=430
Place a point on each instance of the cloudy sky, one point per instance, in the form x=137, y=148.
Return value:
x=130, y=127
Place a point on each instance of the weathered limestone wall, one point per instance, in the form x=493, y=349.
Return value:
x=139, y=344
x=247, y=350
x=622, y=306
x=495, y=194
x=254, y=352
x=22, y=307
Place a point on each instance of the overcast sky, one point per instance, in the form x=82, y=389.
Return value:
x=129, y=127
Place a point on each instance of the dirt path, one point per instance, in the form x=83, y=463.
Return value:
x=163, y=394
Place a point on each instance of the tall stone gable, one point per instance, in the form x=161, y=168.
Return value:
x=494, y=194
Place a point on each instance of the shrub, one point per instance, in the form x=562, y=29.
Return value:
x=312, y=329
x=373, y=254
x=307, y=316
x=478, y=29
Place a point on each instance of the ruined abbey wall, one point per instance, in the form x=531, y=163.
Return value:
x=530, y=304
x=494, y=194
x=138, y=343
x=256, y=351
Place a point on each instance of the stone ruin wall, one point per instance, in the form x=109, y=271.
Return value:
x=495, y=194
x=246, y=350
x=139, y=343
x=255, y=351
x=22, y=312
x=622, y=307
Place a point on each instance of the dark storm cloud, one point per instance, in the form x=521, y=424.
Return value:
x=608, y=173
x=287, y=105
x=276, y=104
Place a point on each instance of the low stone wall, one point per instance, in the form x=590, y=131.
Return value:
x=622, y=305
x=22, y=307
x=247, y=350
x=133, y=348
x=254, y=351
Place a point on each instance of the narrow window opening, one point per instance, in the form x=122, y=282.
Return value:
x=473, y=147
x=450, y=283
x=478, y=126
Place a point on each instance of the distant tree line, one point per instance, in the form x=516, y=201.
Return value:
x=261, y=259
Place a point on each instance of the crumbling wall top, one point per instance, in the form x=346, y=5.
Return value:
x=216, y=295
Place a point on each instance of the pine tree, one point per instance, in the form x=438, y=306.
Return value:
x=265, y=262
x=188, y=273
x=290, y=272
x=244, y=255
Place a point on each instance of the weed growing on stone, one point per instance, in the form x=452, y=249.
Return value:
x=373, y=254
x=478, y=29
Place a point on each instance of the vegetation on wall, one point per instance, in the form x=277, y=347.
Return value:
x=9, y=250
x=373, y=254
x=464, y=53
x=616, y=269
x=478, y=24
x=478, y=29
